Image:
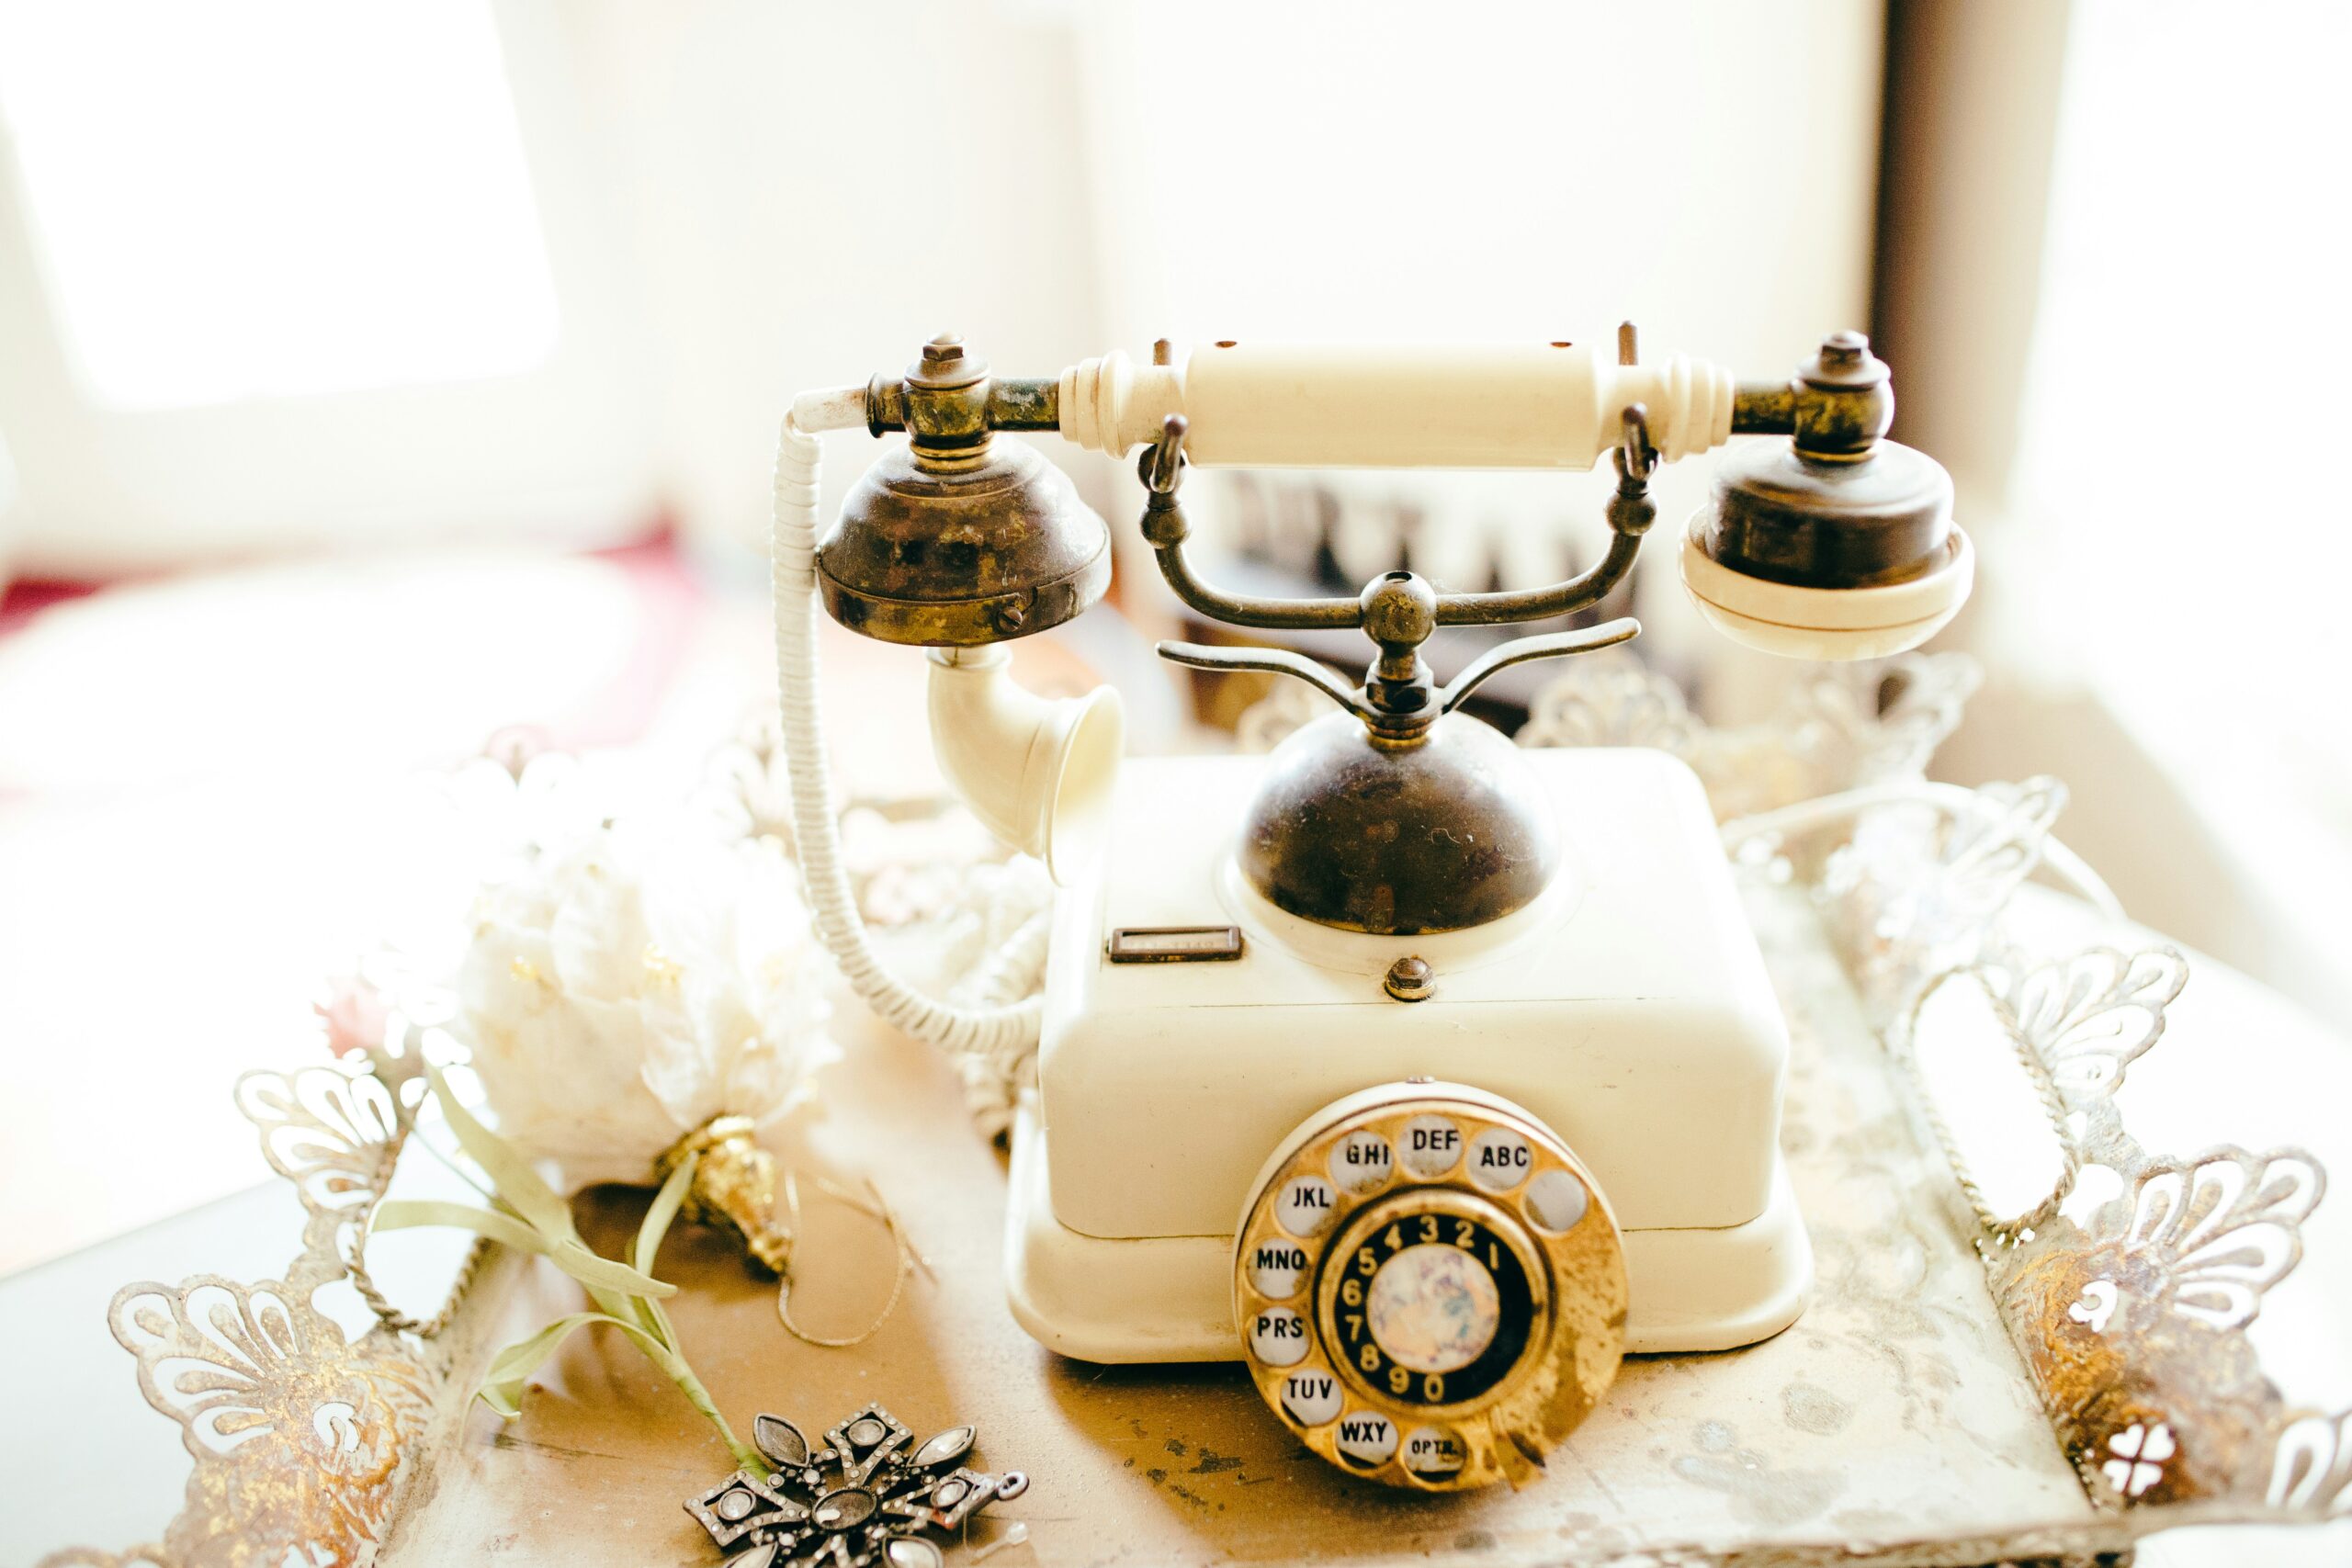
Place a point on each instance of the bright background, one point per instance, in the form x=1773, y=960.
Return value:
x=397, y=372
x=375, y=376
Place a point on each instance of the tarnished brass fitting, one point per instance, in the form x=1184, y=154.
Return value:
x=1845, y=400
x=1836, y=407
x=941, y=401
x=948, y=402
x=734, y=1187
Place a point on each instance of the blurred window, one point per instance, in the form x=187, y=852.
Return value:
x=2189, y=364
x=2185, y=399
x=254, y=198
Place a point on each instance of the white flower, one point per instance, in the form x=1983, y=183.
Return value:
x=625, y=987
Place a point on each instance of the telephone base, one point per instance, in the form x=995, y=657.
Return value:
x=1171, y=1298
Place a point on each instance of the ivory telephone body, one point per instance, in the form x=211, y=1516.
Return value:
x=1424, y=1075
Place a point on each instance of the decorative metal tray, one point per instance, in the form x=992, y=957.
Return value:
x=1945, y=1399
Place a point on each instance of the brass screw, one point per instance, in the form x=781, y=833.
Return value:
x=1410, y=980
x=1842, y=349
x=1163, y=352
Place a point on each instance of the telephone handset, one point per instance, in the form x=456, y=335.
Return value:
x=1500, y=997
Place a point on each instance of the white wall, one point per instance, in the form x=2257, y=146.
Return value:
x=1386, y=170
x=817, y=189
x=748, y=196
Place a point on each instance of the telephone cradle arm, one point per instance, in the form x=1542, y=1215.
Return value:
x=1519, y=650
x=1398, y=611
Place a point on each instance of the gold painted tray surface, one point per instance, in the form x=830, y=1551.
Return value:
x=1895, y=1423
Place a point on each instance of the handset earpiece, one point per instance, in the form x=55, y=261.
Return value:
x=1837, y=544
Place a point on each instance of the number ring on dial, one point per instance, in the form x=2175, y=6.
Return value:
x=1431, y=1288
x=1429, y=1299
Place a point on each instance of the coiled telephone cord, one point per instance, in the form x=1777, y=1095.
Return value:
x=1004, y=1031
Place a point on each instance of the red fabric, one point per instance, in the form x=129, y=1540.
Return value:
x=619, y=713
x=24, y=599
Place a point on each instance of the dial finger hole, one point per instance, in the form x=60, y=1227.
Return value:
x=1432, y=1147
x=1276, y=1267
x=1362, y=1162
x=1278, y=1337
x=1305, y=1205
x=1311, y=1397
x=1435, y=1453
x=1365, y=1438
x=1500, y=1159
x=1555, y=1201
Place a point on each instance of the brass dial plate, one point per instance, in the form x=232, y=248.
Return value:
x=1430, y=1288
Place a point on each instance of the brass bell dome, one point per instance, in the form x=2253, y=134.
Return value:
x=961, y=538
x=1450, y=830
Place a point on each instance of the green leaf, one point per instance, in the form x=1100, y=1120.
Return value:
x=406, y=1214
x=664, y=1209
x=657, y=1322
x=510, y=1371
x=625, y=1297
x=602, y=1273
x=691, y=1386
x=516, y=1182
x=614, y=1304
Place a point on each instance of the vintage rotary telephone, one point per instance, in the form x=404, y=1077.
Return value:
x=1425, y=1075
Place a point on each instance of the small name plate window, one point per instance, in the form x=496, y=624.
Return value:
x=1173, y=945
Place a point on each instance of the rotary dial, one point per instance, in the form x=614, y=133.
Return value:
x=1430, y=1288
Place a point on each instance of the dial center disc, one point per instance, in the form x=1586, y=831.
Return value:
x=1434, y=1308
